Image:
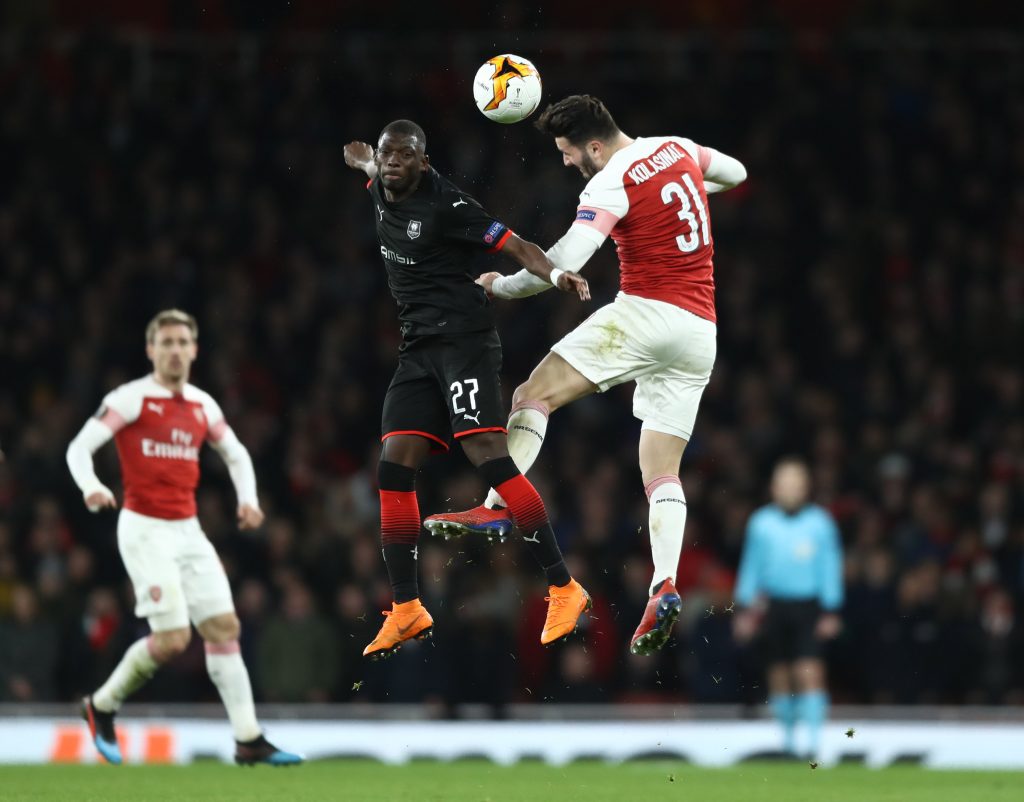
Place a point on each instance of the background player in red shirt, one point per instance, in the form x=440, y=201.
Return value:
x=650, y=195
x=159, y=424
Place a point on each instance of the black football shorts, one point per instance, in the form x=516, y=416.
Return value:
x=444, y=386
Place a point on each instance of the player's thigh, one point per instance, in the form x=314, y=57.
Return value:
x=148, y=549
x=554, y=383
x=468, y=371
x=203, y=578
x=414, y=403
x=610, y=347
x=668, y=397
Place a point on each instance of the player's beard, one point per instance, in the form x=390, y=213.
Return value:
x=587, y=166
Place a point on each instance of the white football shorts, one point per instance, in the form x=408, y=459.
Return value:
x=668, y=351
x=175, y=571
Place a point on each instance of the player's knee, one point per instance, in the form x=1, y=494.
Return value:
x=525, y=392
x=168, y=645
x=221, y=628
x=484, y=447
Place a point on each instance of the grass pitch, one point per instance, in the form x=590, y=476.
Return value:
x=479, y=781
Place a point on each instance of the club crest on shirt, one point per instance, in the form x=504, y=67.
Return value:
x=414, y=229
x=155, y=593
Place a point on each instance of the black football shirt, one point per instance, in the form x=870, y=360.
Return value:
x=428, y=242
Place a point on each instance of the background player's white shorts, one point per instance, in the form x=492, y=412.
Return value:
x=668, y=351
x=174, y=569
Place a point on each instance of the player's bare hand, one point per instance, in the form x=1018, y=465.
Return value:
x=101, y=499
x=487, y=281
x=828, y=626
x=358, y=155
x=249, y=517
x=744, y=625
x=574, y=282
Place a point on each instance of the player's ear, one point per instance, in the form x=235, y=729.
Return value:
x=424, y=163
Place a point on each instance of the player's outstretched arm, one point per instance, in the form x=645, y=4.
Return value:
x=243, y=477
x=359, y=156
x=93, y=435
x=536, y=263
x=568, y=255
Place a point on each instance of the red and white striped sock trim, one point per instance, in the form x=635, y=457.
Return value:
x=535, y=405
x=654, y=484
x=227, y=647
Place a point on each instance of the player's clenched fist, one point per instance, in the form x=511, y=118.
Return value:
x=249, y=517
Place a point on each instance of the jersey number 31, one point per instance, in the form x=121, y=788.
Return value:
x=689, y=197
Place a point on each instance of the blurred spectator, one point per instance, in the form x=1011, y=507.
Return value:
x=28, y=659
x=298, y=656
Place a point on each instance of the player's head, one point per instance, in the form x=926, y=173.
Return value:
x=791, y=483
x=401, y=156
x=171, y=346
x=584, y=132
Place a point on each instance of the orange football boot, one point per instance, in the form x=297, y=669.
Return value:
x=565, y=606
x=402, y=622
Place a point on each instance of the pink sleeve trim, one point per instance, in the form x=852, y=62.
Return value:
x=598, y=219
x=112, y=420
x=537, y=405
x=704, y=157
x=230, y=647
x=218, y=430
x=654, y=484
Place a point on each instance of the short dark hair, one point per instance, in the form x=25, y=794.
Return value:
x=578, y=118
x=405, y=128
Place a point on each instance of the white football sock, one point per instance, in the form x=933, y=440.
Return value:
x=527, y=426
x=134, y=670
x=667, y=519
x=228, y=672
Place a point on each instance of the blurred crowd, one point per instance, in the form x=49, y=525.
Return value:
x=871, y=318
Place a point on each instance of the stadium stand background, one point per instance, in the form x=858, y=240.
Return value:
x=871, y=299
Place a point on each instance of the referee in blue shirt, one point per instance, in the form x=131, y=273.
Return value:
x=792, y=569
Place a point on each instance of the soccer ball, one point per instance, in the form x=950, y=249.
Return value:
x=507, y=88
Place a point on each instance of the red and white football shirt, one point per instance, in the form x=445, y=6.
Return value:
x=650, y=199
x=158, y=435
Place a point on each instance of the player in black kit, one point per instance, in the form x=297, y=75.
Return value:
x=447, y=381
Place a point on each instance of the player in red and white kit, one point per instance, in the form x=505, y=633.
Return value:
x=159, y=424
x=650, y=195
